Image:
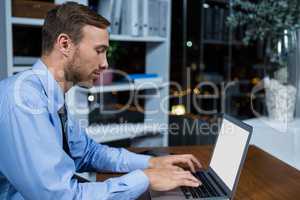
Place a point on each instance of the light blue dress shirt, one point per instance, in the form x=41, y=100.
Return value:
x=33, y=164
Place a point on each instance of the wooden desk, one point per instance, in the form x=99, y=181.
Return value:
x=263, y=176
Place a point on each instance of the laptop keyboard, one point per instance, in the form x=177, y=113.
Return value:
x=204, y=190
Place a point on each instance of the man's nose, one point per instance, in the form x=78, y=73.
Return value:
x=104, y=64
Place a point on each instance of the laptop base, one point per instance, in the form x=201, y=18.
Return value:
x=177, y=194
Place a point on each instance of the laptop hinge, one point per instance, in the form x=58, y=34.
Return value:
x=219, y=182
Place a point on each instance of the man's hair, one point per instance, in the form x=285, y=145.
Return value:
x=69, y=18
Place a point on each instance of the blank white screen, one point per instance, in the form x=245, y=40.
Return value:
x=228, y=152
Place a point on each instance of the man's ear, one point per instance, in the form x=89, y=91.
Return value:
x=64, y=44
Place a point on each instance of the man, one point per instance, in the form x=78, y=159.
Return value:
x=38, y=155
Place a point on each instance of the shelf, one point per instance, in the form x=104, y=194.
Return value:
x=27, y=21
x=113, y=132
x=126, y=38
x=118, y=87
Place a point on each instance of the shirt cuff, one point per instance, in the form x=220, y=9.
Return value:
x=138, y=161
x=126, y=187
x=135, y=182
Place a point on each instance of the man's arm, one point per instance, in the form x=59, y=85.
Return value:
x=33, y=161
x=90, y=156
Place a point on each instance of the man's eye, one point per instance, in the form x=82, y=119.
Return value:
x=100, y=51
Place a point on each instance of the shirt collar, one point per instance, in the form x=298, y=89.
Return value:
x=51, y=87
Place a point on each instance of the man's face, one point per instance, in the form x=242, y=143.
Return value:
x=89, y=57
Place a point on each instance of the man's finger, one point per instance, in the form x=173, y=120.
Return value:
x=188, y=183
x=191, y=165
x=187, y=175
x=176, y=168
x=181, y=159
x=195, y=160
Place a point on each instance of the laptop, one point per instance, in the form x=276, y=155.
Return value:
x=220, y=180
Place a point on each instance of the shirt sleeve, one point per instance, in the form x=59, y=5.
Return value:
x=33, y=161
x=91, y=156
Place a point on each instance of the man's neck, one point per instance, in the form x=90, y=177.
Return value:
x=56, y=68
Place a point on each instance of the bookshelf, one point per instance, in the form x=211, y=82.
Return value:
x=156, y=61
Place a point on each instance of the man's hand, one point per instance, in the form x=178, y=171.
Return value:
x=172, y=161
x=165, y=179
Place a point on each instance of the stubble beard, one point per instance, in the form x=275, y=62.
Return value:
x=71, y=71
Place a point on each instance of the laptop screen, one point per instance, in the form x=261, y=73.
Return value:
x=228, y=152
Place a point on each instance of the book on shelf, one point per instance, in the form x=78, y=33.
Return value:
x=105, y=9
x=151, y=7
x=116, y=17
x=208, y=23
x=146, y=79
x=144, y=17
x=141, y=76
x=136, y=17
x=130, y=18
x=30, y=9
x=220, y=21
x=156, y=18
x=225, y=27
x=215, y=23
x=163, y=16
x=215, y=27
x=84, y=2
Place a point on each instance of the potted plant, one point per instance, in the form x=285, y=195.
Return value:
x=274, y=23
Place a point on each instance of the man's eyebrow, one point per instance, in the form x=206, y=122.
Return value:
x=101, y=46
